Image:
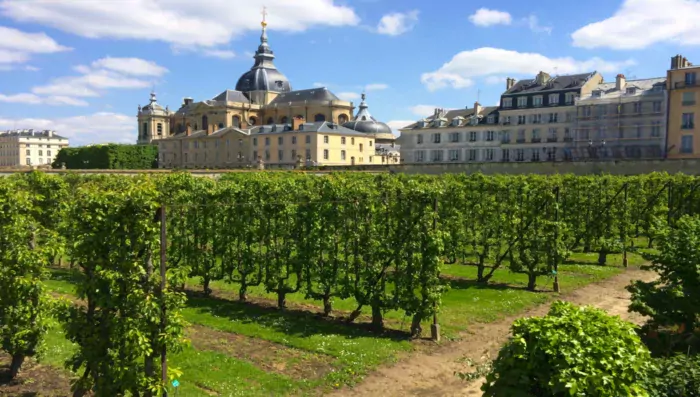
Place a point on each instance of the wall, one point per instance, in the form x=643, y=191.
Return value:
x=676, y=88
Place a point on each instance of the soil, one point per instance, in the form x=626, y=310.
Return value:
x=269, y=356
x=431, y=373
x=35, y=380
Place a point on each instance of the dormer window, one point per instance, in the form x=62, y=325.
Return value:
x=455, y=122
x=507, y=102
x=553, y=99
x=522, y=102
x=658, y=88
x=631, y=90
x=537, y=100
x=421, y=124
x=490, y=119
x=597, y=93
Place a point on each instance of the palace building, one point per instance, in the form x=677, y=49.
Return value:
x=265, y=121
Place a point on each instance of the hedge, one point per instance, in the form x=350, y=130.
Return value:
x=108, y=157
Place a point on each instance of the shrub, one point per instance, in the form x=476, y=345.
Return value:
x=108, y=157
x=573, y=351
x=677, y=376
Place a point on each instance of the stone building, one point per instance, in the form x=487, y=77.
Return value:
x=29, y=147
x=621, y=119
x=683, y=91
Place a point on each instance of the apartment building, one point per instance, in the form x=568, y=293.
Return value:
x=459, y=135
x=29, y=147
x=537, y=115
x=683, y=136
x=624, y=119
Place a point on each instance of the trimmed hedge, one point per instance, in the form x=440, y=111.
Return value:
x=108, y=157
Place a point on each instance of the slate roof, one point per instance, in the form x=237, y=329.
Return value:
x=319, y=126
x=556, y=83
x=231, y=96
x=463, y=115
x=29, y=134
x=643, y=87
x=310, y=95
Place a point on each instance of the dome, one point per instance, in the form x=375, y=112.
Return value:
x=263, y=76
x=365, y=123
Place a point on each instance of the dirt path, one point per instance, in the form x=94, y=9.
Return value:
x=432, y=374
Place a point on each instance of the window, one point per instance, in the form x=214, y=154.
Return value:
x=294, y=140
x=552, y=135
x=186, y=159
x=267, y=141
x=521, y=136
x=255, y=154
x=473, y=154
x=342, y=140
x=454, y=137
x=236, y=122
x=436, y=138
x=553, y=99
x=419, y=156
x=536, y=135
x=536, y=154
x=280, y=140
x=586, y=111
x=596, y=93
x=688, y=122
x=520, y=155
x=294, y=154
x=489, y=135
x=255, y=141
x=320, y=117
x=370, y=143
x=631, y=90
x=419, y=139
x=506, y=120
x=29, y=152
x=159, y=128
x=325, y=154
x=551, y=154
x=638, y=129
x=490, y=119
x=688, y=98
x=436, y=155
x=342, y=154
x=352, y=141
x=505, y=137
x=270, y=120
x=308, y=139
x=205, y=122
x=536, y=118
x=522, y=119
x=284, y=120
x=267, y=155
x=638, y=107
x=522, y=102
x=454, y=154
x=655, y=129
x=686, y=144
x=505, y=155
x=507, y=102
x=553, y=117
x=280, y=155
x=325, y=139
x=48, y=153
x=656, y=106
x=28, y=161
x=145, y=130
x=488, y=154
x=601, y=110
x=308, y=154
x=690, y=78
x=221, y=125
x=360, y=147
x=472, y=136
x=537, y=100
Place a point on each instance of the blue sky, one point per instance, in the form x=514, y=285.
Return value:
x=82, y=67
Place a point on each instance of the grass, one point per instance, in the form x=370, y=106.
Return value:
x=348, y=352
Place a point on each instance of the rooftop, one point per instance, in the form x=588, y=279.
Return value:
x=631, y=88
x=321, y=94
x=32, y=133
x=543, y=82
x=455, y=118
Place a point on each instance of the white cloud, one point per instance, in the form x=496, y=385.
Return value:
x=348, y=96
x=248, y=54
x=638, y=24
x=31, y=68
x=486, y=17
x=319, y=85
x=16, y=46
x=534, y=24
x=491, y=80
x=204, y=23
x=32, y=99
x=130, y=66
x=376, y=87
x=423, y=110
x=460, y=71
x=221, y=54
x=397, y=23
x=101, y=127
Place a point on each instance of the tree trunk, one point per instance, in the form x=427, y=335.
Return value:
x=480, y=270
x=327, y=305
x=651, y=243
x=377, y=319
x=587, y=247
x=416, y=329
x=531, y=281
x=205, y=282
x=243, y=292
x=282, y=300
x=16, y=365
x=602, y=257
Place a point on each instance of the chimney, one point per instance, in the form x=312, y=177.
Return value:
x=188, y=131
x=296, y=122
x=477, y=108
x=620, y=82
x=509, y=83
x=542, y=78
x=49, y=133
x=188, y=101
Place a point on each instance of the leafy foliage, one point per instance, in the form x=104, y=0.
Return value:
x=108, y=157
x=677, y=376
x=573, y=351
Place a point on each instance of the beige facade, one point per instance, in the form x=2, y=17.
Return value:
x=29, y=148
x=683, y=106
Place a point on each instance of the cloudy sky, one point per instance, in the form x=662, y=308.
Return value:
x=82, y=67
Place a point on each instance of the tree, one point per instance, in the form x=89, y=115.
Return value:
x=573, y=351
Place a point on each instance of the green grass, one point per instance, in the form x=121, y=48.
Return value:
x=353, y=351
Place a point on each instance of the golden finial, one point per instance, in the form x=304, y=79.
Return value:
x=264, y=14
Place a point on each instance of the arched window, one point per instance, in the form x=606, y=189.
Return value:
x=320, y=117
x=195, y=127
x=284, y=120
x=159, y=128
x=221, y=125
x=364, y=118
x=270, y=120
x=236, y=122
x=205, y=122
x=252, y=121
x=145, y=129
x=342, y=119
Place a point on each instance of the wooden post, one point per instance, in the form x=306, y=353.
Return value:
x=163, y=251
x=435, y=327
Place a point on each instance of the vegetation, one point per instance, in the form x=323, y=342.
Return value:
x=108, y=157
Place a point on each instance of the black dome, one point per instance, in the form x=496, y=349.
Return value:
x=364, y=122
x=263, y=76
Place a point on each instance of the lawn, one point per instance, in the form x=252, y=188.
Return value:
x=251, y=349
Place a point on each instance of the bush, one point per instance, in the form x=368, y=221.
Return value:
x=108, y=157
x=573, y=351
x=677, y=376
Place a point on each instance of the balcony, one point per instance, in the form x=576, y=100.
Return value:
x=689, y=126
x=684, y=84
x=568, y=139
x=520, y=140
x=552, y=139
x=536, y=140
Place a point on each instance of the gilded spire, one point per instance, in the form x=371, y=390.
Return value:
x=264, y=14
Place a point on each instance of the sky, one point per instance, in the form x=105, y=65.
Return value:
x=82, y=67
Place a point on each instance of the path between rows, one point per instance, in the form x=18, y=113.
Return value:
x=432, y=373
